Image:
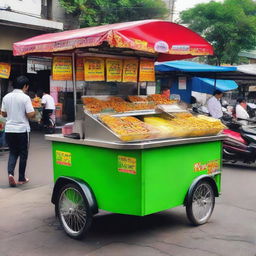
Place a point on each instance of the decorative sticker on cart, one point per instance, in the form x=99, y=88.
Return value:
x=211, y=167
x=147, y=71
x=130, y=70
x=63, y=158
x=62, y=68
x=94, y=69
x=5, y=70
x=80, y=69
x=114, y=70
x=127, y=164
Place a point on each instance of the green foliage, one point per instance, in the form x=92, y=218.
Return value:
x=99, y=12
x=229, y=26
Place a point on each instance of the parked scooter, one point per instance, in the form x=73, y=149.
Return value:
x=240, y=144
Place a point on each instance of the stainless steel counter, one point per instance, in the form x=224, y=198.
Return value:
x=134, y=145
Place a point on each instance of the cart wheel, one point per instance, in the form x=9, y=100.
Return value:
x=73, y=211
x=200, y=203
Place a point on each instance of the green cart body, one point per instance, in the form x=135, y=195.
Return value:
x=137, y=181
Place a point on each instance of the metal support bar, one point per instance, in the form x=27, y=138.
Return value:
x=74, y=81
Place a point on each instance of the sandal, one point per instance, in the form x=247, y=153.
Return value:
x=23, y=182
x=12, y=182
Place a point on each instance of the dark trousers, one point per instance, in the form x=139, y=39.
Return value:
x=46, y=117
x=18, y=145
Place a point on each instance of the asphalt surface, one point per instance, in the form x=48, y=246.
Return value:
x=28, y=226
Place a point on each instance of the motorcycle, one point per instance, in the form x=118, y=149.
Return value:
x=240, y=144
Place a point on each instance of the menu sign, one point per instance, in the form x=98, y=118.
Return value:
x=130, y=70
x=114, y=70
x=147, y=71
x=62, y=68
x=5, y=70
x=79, y=69
x=94, y=69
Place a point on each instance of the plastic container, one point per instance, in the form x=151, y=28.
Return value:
x=67, y=128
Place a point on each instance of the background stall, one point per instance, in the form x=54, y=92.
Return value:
x=185, y=77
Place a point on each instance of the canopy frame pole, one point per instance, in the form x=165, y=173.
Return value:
x=138, y=77
x=74, y=81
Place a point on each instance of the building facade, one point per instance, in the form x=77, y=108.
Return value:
x=22, y=19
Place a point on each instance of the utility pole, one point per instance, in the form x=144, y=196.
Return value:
x=171, y=7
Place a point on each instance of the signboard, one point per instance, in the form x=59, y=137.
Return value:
x=147, y=71
x=210, y=167
x=63, y=158
x=79, y=69
x=5, y=70
x=94, y=69
x=35, y=64
x=114, y=70
x=62, y=68
x=182, y=83
x=130, y=70
x=127, y=164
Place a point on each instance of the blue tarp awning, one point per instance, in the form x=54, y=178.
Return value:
x=190, y=66
x=207, y=85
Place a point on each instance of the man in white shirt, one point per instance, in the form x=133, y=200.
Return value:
x=48, y=108
x=214, y=105
x=241, y=112
x=17, y=107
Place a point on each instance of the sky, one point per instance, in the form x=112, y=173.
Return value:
x=181, y=5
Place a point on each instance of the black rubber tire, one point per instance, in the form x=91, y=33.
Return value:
x=189, y=204
x=89, y=216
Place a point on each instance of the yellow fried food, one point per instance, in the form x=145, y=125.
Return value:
x=128, y=128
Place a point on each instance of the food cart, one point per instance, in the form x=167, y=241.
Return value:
x=136, y=155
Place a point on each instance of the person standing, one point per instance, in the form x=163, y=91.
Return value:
x=48, y=108
x=17, y=108
x=214, y=106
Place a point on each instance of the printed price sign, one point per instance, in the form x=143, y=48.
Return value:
x=127, y=164
x=62, y=68
x=63, y=158
x=130, y=70
x=94, y=69
x=147, y=71
x=114, y=70
x=5, y=70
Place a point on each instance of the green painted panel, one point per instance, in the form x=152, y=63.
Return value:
x=169, y=172
x=115, y=191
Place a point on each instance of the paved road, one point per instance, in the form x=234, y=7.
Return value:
x=28, y=226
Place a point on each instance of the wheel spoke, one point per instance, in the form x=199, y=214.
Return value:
x=72, y=211
x=202, y=202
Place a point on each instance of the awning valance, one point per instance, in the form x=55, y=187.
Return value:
x=189, y=66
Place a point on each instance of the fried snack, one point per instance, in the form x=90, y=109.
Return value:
x=190, y=126
x=128, y=128
x=160, y=99
x=134, y=98
x=182, y=115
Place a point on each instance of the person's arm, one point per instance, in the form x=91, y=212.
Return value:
x=30, y=112
x=3, y=109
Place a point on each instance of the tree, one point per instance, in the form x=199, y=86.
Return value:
x=100, y=12
x=229, y=26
